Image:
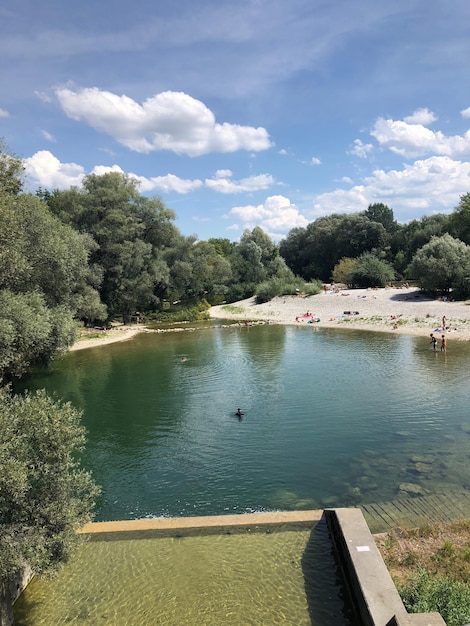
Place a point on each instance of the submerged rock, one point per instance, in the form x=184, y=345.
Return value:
x=411, y=489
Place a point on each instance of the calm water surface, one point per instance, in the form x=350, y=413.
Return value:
x=236, y=579
x=332, y=418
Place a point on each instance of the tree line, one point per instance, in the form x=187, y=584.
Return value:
x=92, y=253
x=103, y=251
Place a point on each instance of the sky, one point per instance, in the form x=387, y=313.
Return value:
x=244, y=113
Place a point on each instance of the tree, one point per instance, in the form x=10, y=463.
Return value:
x=11, y=172
x=459, y=220
x=343, y=271
x=43, y=269
x=370, y=271
x=44, y=494
x=442, y=265
x=382, y=214
x=254, y=260
x=130, y=231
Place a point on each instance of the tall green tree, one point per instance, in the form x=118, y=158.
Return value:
x=131, y=233
x=254, y=260
x=45, y=496
x=459, y=220
x=442, y=265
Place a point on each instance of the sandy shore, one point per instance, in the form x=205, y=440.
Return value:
x=119, y=333
x=389, y=310
x=392, y=310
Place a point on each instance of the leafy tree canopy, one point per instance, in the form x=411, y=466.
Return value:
x=44, y=494
x=442, y=265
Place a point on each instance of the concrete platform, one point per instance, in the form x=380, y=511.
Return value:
x=367, y=581
x=371, y=588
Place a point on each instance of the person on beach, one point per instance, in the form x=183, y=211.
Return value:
x=433, y=342
x=443, y=343
x=444, y=323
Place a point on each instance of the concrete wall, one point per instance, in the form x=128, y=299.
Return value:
x=371, y=588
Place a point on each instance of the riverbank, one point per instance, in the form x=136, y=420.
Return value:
x=405, y=311
x=102, y=338
x=395, y=310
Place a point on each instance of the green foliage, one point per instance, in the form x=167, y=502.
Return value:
x=427, y=593
x=11, y=172
x=442, y=265
x=194, y=313
x=44, y=495
x=343, y=272
x=370, y=271
x=459, y=220
x=282, y=287
x=382, y=214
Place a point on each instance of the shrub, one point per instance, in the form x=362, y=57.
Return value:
x=285, y=287
x=426, y=593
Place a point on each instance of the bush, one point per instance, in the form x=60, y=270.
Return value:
x=281, y=287
x=194, y=313
x=426, y=593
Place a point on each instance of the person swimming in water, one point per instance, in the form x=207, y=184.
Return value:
x=239, y=413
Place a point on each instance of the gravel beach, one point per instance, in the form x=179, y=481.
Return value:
x=398, y=310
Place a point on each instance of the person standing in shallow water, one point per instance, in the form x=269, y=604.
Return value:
x=443, y=343
x=433, y=342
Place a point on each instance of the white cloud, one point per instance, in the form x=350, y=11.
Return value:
x=250, y=184
x=413, y=140
x=276, y=216
x=170, y=120
x=48, y=137
x=4, y=113
x=361, y=149
x=465, y=112
x=223, y=174
x=421, y=116
x=48, y=171
x=315, y=161
x=168, y=183
x=44, y=97
x=430, y=185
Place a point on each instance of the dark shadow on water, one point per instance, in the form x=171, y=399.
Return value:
x=323, y=586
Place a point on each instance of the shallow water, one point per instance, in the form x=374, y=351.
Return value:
x=332, y=418
x=283, y=577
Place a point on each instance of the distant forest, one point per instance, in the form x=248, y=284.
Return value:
x=102, y=251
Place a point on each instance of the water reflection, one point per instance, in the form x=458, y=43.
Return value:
x=331, y=418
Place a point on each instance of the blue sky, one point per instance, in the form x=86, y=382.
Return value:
x=246, y=113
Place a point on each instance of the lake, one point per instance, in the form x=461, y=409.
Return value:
x=331, y=418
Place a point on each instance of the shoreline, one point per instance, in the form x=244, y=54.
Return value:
x=393, y=310
x=117, y=333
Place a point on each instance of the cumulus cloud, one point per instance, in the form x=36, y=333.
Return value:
x=4, y=113
x=421, y=116
x=465, y=112
x=222, y=183
x=49, y=172
x=361, y=149
x=414, y=140
x=315, y=161
x=276, y=216
x=169, y=120
x=430, y=185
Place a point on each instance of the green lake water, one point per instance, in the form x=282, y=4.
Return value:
x=283, y=577
x=332, y=418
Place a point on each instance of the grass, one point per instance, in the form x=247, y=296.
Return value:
x=431, y=567
x=231, y=308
